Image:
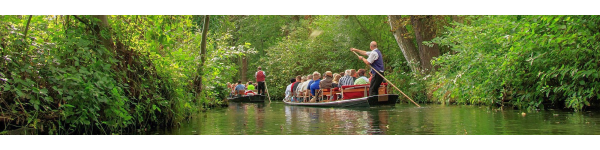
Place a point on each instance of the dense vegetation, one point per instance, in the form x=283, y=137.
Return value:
x=118, y=74
x=526, y=61
x=61, y=76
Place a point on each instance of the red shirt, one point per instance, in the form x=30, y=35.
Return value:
x=260, y=76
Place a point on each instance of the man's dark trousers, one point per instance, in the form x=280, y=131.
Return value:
x=375, y=84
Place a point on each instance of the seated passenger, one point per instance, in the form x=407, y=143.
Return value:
x=306, y=88
x=229, y=87
x=353, y=74
x=300, y=89
x=310, y=82
x=362, y=79
x=295, y=86
x=239, y=87
x=288, y=91
x=346, y=80
x=336, y=80
x=314, y=87
x=250, y=86
x=232, y=89
x=327, y=82
x=335, y=84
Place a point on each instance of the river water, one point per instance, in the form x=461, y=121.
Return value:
x=402, y=119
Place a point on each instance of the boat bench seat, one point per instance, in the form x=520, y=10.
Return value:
x=329, y=93
x=362, y=90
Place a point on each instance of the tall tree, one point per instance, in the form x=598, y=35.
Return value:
x=202, y=52
x=425, y=31
x=102, y=24
x=409, y=50
x=203, y=44
x=244, y=68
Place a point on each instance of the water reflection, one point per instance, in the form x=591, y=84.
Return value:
x=277, y=118
x=311, y=120
x=246, y=116
x=347, y=121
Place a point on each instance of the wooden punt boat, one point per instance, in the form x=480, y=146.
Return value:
x=353, y=96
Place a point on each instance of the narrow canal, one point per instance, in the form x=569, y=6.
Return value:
x=403, y=119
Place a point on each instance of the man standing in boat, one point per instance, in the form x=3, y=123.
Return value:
x=260, y=80
x=375, y=60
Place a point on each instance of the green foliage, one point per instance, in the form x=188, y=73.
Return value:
x=524, y=60
x=64, y=77
x=322, y=43
x=414, y=85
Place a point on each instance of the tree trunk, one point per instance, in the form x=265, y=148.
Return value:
x=67, y=26
x=203, y=44
x=103, y=25
x=457, y=18
x=27, y=28
x=202, y=52
x=410, y=52
x=244, y=68
x=425, y=31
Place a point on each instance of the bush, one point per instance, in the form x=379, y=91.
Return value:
x=526, y=61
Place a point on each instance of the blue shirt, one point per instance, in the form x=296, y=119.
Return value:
x=314, y=86
x=240, y=87
x=310, y=82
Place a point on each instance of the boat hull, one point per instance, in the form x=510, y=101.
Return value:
x=251, y=99
x=386, y=99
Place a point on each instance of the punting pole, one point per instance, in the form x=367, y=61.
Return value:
x=267, y=88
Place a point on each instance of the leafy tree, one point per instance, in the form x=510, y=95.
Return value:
x=527, y=61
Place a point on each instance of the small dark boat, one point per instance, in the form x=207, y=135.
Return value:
x=248, y=98
x=353, y=96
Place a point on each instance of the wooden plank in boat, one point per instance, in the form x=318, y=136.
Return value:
x=383, y=98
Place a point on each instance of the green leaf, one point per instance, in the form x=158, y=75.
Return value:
x=154, y=107
x=586, y=103
x=48, y=99
x=581, y=82
x=127, y=117
x=103, y=100
x=44, y=91
x=19, y=93
x=6, y=87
